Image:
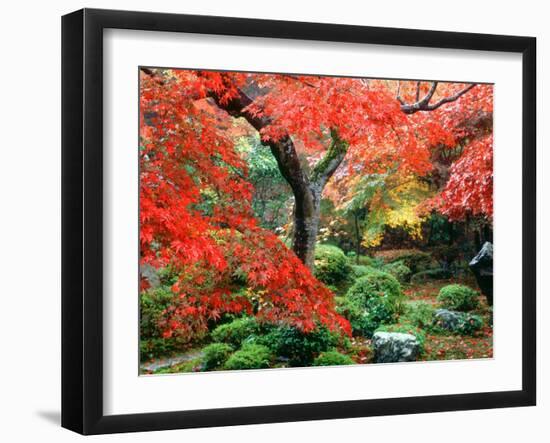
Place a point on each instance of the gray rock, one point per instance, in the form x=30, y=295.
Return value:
x=391, y=347
x=482, y=267
x=449, y=320
x=150, y=274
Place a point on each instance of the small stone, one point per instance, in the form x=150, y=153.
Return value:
x=391, y=347
x=449, y=320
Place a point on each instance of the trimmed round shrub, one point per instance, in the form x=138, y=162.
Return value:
x=373, y=299
x=332, y=358
x=430, y=274
x=399, y=270
x=419, y=313
x=378, y=284
x=251, y=356
x=237, y=331
x=458, y=298
x=215, y=355
x=331, y=265
x=298, y=347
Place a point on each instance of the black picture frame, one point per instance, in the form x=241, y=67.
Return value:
x=82, y=218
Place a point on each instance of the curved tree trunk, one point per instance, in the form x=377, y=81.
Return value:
x=307, y=188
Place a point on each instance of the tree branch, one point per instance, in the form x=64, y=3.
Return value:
x=325, y=168
x=424, y=103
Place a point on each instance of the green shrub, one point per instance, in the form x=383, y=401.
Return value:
x=250, y=356
x=376, y=283
x=360, y=270
x=152, y=304
x=419, y=313
x=458, y=297
x=413, y=258
x=332, y=358
x=469, y=324
x=372, y=262
x=399, y=270
x=299, y=347
x=216, y=354
x=406, y=328
x=430, y=274
x=237, y=331
x=331, y=265
x=373, y=299
x=150, y=348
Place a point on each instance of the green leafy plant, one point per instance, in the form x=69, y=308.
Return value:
x=458, y=297
x=216, y=354
x=430, y=274
x=374, y=299
x=360, y=270
x=332, y=358
x=250, y=356
x=399, y=270
x=153, y=303
x=331, y=265
x=237, y=331
x=299, y=347
x=470, y=324
x=419, y=313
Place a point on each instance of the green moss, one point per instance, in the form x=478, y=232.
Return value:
x=332, y=358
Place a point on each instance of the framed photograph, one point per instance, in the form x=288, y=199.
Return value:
x=270, y=221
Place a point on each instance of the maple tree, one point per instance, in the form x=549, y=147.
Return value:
x=196, y=212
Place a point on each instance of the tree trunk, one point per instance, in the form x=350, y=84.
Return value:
x=307, y=188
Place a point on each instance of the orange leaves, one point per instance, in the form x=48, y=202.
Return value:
x=196, y=215
x=470, y=187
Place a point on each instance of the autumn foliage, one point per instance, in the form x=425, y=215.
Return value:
x=196, y=216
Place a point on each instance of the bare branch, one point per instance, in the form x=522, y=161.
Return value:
x=424, y=104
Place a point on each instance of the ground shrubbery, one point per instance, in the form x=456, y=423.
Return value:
x=215, y=355
x=332, y=358
x=360, y=270
x=458, y=297
x=331, y=265
x=153, y=302
x=399, y=270
x=250, y=356
x=414, y=259
x=237, y=331
x=299, y=348
x=430, y=274
x=373, y=299
x=419, y=314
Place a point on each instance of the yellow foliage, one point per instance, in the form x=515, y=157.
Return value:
x=396, y=207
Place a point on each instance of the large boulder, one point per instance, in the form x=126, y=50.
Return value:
x=391, y=347
x=482, y=267
x=458, y=322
